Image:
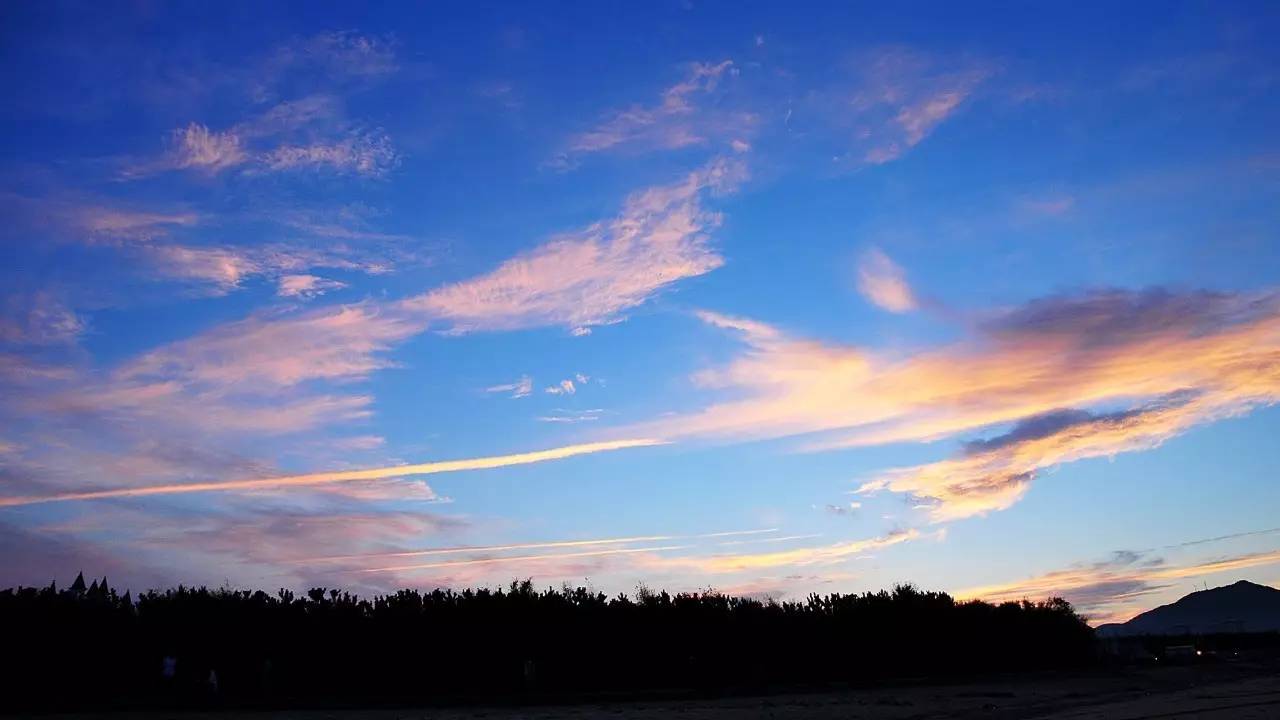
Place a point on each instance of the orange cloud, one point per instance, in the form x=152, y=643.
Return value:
x=1171, y=361
x=1108, y=591
x=819, y=555
x=326, y=478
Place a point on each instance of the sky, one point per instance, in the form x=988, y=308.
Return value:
x=772, y=300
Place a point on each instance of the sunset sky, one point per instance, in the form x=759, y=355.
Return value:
x=767, y=298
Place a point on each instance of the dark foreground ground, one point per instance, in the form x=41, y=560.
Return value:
x=1244, y=689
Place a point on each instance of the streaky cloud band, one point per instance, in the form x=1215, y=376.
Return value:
x=327, y=478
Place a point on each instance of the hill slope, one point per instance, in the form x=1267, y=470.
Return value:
x=1240, y=607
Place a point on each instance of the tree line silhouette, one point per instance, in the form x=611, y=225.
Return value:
x=92, y=647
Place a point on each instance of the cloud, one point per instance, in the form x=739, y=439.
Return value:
x=901, y=96
x=646, y=560
x=263, y=352
x=570, y=417
x=474, y=549
x=116, y=224
x=306, y=286
x=357, y=442
x=276, y=374
x=34, y=559
x=267, y=375
x=1060, y=366
x=248, y=541
x=332, y=58
x=677, y=120
x=1049, y=206
x=220, y=269
x=307, y=133
x=342, y=476
x=195, y=146
x=820, y=555
x=994, y=474
x=881, y=281
x=39, y=319
x=594, y=276
x=518, y=389
x=565, y=387
x=369, y=154
x=1108, y=590
x=223, y=268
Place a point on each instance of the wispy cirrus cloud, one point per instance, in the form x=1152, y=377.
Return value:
x=307, y=131
x=92, y=220
x=168, y=244
x=221, y=269
x=685, y=560
x=519, y=389
x=677, y=120
x=38, y=318
x=900, y=96
x=265, y=352
x=572, y=417
x=366, y=153
x=195, y=146
x=352, y=151
x=883, y=282
x=337, y=57
x=592, y=277
x=1048, y=371
x=283, y=373
x=798, y=557
x=306, y=286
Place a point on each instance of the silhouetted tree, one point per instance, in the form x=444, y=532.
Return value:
x=93, y=647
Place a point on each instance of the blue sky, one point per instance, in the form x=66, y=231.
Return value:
x=684, y=294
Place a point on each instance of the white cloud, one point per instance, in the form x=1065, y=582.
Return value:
x=565, y=387
x=518, y=389
x=572, y=417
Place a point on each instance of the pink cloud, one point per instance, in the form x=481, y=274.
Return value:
x=882, y=282
x=39, y=319
x=902, y=96
x=595, y=275
x=675, y=121
x=306, y=286
x=368, y=154
x=341, y=343
x=197, y=147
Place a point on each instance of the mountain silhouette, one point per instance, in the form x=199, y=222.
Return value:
x=1239, y=607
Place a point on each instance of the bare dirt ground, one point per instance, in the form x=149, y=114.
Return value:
x=1216, y=692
